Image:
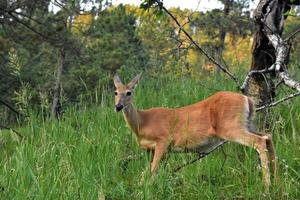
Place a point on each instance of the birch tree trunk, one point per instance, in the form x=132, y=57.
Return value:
x=269, y=17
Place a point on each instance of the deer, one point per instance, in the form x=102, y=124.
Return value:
x=199, y=127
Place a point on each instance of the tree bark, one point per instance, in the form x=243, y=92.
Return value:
x=56, y=104
x=56, y=108
x=222, y=34
x=269, y=17
x=261, y=87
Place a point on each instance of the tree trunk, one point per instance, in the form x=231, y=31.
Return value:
x=261, y=87
x=56, y=104
x=67, y=26
x=222, y=33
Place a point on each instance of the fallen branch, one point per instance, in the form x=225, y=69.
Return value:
x=124, y=162
x=200, y=156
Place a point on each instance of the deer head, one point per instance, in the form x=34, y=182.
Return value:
x=123, y=93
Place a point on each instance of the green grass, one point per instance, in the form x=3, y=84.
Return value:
x=82, y=155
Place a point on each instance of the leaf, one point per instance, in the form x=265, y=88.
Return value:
x=148, y=4
x=158, y=13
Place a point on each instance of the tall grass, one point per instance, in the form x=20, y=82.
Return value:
x=83, y=155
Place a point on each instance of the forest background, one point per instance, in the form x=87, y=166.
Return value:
x=59, y=65
x=74, y=51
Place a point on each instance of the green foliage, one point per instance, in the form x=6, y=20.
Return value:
x=291, y=25
x=82, y=156
x=108, y=39
x=114, y=42
x=110, y=43
x=147, y=4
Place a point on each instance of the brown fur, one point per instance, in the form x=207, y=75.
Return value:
x=196, y=127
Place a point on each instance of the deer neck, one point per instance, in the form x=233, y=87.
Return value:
x=132, y=118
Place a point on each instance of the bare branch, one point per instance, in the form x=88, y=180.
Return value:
x=282, y=51
x=27, y=26
x=294, y=2
x=16, y=132
x=10, y=107
x=265, y=15
x=200, y=156
x=278, y=102
x=288, y=81
x=193, y=12
x=224, y=69
x=292, y=35
x=244, y=86
x=278, y=84
x=55, y=40
x=124, y=162
x=26, y=16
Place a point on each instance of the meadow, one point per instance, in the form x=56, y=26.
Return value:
x=84, y=154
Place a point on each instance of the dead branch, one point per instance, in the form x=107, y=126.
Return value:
x=200, y=156
x=291, y=36
x=224, y=69
x=280, y=45
x=265, y=16
x=288, y=81
x=16, y=132
x=28, y=27
x=192, y=13
x=282, y=54
x=125, y=161
x=11, y=108
x=251, y=73
x=278, y=102
x=55, y=40
x=294, y=2
x=278, y=84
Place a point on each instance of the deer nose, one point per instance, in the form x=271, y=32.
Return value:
x=119, y=107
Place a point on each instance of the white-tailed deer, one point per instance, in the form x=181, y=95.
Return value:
x=200, y=127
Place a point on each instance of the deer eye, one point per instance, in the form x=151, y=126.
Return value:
x=116, y=93
x=128, y=93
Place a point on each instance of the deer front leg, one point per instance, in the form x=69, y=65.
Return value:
x=160, y=150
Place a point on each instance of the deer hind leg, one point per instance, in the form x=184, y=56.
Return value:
x=259, y=143
x=272, y=154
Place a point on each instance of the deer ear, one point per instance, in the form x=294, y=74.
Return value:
x=135, y=81
x=117, y=80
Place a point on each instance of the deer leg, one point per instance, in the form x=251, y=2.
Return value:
x=272, y=154
x=151, y=153
x=259, y=143
x=262, y=151
x=159, y=152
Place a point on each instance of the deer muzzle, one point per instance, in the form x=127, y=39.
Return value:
x=119, y=107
